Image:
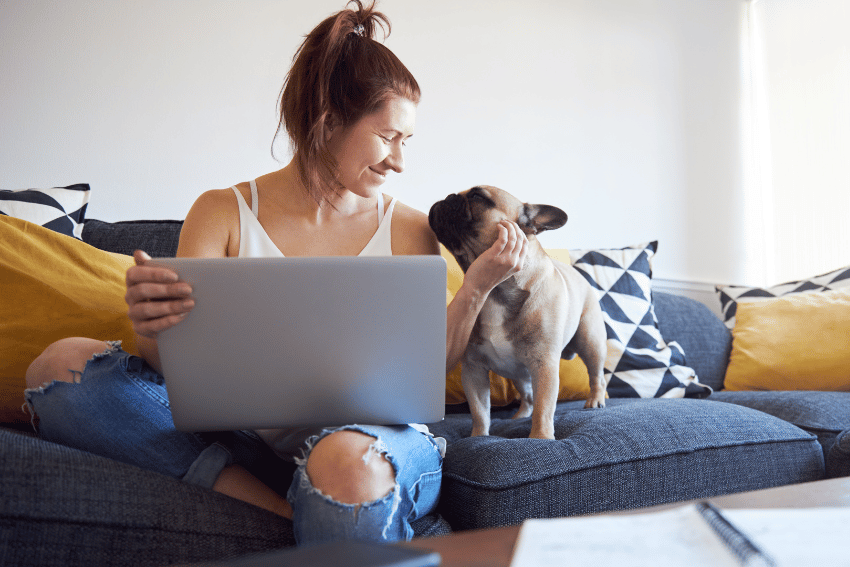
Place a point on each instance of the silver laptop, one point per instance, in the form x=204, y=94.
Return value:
x=279, y=342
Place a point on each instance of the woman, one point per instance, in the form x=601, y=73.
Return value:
x=348, y=106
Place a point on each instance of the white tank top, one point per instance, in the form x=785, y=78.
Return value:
x=254, y=241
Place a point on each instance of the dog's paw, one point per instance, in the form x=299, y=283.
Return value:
x=542, y=435
x=595, y=403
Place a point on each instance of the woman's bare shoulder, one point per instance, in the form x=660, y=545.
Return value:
x=210, y=225
x=411, y=232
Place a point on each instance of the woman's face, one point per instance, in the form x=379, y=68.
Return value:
x=369, y=149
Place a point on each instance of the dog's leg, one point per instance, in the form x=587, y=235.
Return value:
x=593, y=349
x=545, y=383
x=526, y=398
x=598, y=383
x=476, y=385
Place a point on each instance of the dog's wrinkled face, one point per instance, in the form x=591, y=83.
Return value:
x=467, y=223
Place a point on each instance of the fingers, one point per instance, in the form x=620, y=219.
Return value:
x=140, y=256
x=511, y=246
x=502, y=260
x=156, y=298
x=142, y=272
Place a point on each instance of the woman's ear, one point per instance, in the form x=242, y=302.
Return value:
x=330, y=125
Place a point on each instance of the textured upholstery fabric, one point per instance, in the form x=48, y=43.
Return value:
x=64, y=507
x=809, y=410
x=838, y=458
x=824, y=414
x=158, y=238
x=703, y=336
x=632, y=453
x=60, y=506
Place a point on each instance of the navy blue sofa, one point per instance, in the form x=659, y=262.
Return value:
x=61, y=506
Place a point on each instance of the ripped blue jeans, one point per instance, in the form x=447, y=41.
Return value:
x=118, y=408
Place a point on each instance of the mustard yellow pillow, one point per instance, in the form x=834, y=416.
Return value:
x=53, y=286
x=794, y=342
x=574, y=381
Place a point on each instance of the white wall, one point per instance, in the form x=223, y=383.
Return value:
x=624, y=113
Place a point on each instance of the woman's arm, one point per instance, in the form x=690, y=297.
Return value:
x=412, y=235
x=156, y=299
x=498, y=263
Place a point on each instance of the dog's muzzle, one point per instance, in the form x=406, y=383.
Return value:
x=450, y=219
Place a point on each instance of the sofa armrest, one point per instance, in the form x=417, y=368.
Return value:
x=703, y=336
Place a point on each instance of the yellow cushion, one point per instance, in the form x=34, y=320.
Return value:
x=794, y=342
x=574, y=381
x=53, y=286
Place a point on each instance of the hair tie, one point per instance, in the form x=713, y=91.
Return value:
x=359, y=29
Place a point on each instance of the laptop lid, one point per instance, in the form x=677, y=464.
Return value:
x=280, y=342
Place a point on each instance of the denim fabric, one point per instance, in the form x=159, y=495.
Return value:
x=64, y=507
x=631, y=453
x=416, y=461
x=118, y=408
x=703, y=336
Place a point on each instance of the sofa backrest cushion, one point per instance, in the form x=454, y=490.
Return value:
x=158, y=238
x=703, y=336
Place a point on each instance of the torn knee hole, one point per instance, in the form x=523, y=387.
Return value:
x=376, y=449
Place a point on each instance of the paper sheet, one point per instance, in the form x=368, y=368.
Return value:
x=674, y=537
x=805, y=537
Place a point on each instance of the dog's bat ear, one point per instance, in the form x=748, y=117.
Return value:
x=537, y=218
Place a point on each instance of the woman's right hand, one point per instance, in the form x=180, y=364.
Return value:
x=501, y=261
x=156, y=298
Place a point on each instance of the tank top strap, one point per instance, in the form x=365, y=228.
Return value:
x=255, y=202
x=380, y=208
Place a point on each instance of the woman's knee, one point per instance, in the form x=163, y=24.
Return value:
x=348, y=467
x=63, y=360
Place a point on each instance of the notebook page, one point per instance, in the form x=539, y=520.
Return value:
x=674, y=537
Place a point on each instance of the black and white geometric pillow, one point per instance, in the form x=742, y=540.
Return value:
x=639, y=362
x=62, y=209
x=731, y=295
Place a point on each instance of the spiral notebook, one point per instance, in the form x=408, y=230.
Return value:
x=693, y=535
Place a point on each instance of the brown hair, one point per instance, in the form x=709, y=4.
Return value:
x=339, y=75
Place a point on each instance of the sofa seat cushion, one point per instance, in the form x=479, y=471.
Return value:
x=62, y=506
x=823, y=414
x=633, y=453
x=812, y=411
x=838, y=458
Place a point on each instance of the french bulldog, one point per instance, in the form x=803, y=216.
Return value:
x=544, y=312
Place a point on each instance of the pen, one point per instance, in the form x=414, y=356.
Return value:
x=748, y=552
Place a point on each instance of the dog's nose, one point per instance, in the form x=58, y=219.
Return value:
x=453, y=199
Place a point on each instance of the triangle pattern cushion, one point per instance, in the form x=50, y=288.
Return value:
x=639, y=362
x=733, y=295
x=60, y=209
